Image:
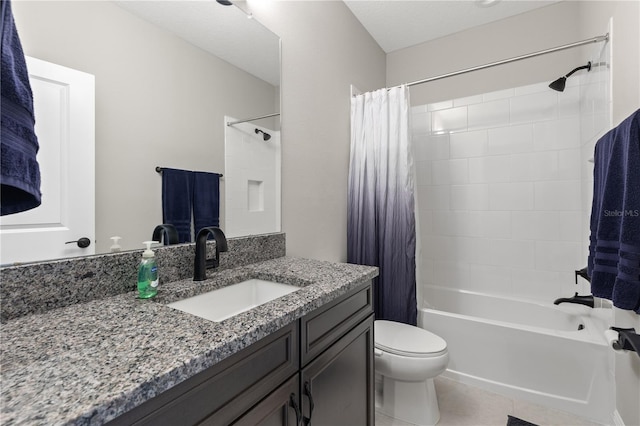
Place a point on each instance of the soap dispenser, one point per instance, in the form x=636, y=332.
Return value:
x=115, y=247
x=148, y=273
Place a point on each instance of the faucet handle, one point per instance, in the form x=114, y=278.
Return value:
x=583, y=273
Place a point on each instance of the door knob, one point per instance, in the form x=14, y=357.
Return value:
x=83, y=242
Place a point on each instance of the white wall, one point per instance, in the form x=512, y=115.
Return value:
x=594, y=17
x=324, y=50
x=537, y=30
x=319, y=62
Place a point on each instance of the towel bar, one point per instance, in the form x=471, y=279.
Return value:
x=159, y=170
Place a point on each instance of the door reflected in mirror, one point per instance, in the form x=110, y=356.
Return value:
x=166, y=74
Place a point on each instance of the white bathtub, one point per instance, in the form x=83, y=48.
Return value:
x=554, y=356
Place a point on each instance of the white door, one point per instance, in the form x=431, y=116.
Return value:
x=64, y=104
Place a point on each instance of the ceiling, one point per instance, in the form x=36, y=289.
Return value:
x=223, y=31
x=396, y=24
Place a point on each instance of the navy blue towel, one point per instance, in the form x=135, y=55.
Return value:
x=515, y=421
x=614, y=247
x=177, y=193
x=206, y=200
x=19, y=170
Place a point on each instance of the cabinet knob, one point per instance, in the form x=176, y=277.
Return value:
x=83, y=242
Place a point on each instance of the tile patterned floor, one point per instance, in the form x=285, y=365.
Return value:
x=463, y=405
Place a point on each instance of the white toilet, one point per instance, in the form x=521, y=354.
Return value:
x=407, y=359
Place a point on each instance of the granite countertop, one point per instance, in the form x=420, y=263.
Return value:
x=90, y=362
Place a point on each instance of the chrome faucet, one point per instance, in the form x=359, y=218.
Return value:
x=201, y=263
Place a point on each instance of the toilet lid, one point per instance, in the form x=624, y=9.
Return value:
x=403, y=339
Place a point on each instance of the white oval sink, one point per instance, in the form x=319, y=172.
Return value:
x=218, y=305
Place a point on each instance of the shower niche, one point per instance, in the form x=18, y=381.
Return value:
x=255, y=195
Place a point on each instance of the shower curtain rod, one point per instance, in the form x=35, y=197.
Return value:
x=514, y=59
x=231, y=123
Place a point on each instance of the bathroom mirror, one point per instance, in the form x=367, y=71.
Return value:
x=166, y=74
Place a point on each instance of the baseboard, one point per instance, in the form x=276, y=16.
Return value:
x=617, y=420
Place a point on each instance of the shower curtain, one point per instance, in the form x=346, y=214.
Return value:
x=381, y=227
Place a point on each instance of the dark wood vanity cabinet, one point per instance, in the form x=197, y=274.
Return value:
x=225, y=391
x=337, y=387
x=337, y=370
x=318, y=370
x=280, y=408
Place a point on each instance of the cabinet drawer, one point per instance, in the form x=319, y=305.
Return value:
x=324, y=326
x=228, y=388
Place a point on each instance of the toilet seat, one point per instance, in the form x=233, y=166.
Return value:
x=406, y=340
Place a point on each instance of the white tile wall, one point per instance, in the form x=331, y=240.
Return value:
x=469, y=100
x=449, y=120
x=510, y=139
x=252, y=181
x=500, y=94
x=488, y=114
x=468, y=144
x=557, y=195
x=564, y=133
x=489, y=169
x=511, y=196
x=534, y=107
x=494, y=224
x=502, y=186
x=419, y=120
x=569, y=102
x=468, y=197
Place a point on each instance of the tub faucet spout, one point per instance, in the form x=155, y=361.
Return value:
x=201, y=263
x=586, y=300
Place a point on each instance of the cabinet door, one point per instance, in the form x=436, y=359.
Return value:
x=337, y=387
x=280, y=408
x=225, y=391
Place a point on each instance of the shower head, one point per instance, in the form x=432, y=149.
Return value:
x=560, y=83
x=225, y=2
x=265, y=136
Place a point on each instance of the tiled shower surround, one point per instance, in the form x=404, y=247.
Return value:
x=504, y=185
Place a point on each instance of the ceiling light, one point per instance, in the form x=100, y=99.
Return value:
x=486, y=3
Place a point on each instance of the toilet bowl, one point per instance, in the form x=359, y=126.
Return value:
x=407, y=359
